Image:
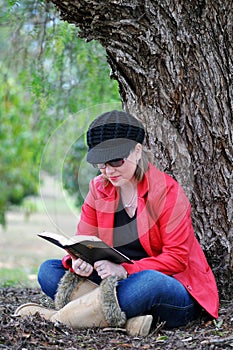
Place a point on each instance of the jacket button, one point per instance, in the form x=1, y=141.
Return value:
x=189, y=288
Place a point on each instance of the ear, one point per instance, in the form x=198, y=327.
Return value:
x=138, y=150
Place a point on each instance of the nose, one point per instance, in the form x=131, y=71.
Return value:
x=109, y=169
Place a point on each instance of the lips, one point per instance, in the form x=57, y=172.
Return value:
x=113, y=178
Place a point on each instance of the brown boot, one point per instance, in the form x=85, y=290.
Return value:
x=72, y=286
x=31, y=309
x=99, y=308
x=139, y=325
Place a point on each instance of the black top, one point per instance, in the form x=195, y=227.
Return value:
x=125, y=234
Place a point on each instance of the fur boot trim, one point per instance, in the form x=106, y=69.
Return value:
x=65, y=289
x=111, y=309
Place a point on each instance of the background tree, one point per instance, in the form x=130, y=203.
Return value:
x=173, y=62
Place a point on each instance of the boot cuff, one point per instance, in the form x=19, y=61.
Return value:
x=65, y=289
x=111, y=309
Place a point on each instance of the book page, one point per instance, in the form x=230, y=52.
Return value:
x=80, y=238
x=63, y=240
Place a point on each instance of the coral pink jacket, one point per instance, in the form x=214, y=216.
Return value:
x=165, y=232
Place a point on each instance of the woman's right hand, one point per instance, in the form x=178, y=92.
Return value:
x=81, y=267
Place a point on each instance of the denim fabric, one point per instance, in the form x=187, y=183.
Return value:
x=49, y=275
x=145, y=292
x=152, y=292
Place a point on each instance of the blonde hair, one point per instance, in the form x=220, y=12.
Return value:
x=143, y=164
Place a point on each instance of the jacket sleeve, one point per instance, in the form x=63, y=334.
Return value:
x=170, y=237
x=67, y=263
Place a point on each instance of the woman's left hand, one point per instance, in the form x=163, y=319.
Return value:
x=106, y=268
x=81, y=267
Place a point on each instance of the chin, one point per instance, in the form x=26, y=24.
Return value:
x=121, y=182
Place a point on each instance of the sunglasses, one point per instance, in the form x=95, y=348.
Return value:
x=115, y=163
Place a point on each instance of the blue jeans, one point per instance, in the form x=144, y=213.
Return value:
x=145, y=292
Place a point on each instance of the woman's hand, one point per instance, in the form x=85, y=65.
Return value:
x=106, y=268
x=81, y=267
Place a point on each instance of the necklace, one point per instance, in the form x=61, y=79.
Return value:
x=131, y=202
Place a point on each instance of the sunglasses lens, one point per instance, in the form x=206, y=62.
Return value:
x=99, y=166
x=116, y=162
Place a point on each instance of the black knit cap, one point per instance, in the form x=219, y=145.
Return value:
x=113, y=135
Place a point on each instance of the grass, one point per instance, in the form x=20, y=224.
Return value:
x=21, y=251
x=18, y=277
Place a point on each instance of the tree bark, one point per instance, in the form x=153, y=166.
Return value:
x=173, y=62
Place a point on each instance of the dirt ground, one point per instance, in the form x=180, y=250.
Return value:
x=20, y=247
x=35, y=333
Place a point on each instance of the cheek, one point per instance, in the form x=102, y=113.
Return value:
x=129, y=171
x=103, y=173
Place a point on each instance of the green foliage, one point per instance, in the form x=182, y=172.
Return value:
x=19, y=145
x=48, y=73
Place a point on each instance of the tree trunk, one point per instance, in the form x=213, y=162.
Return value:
x=173, y=62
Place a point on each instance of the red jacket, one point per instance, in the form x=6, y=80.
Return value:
x=165, y=231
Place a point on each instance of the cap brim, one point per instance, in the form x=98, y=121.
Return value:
x=110, y=149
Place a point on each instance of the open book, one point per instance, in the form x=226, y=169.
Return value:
x=88, y=248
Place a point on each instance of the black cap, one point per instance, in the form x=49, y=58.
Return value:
x=113, y=135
